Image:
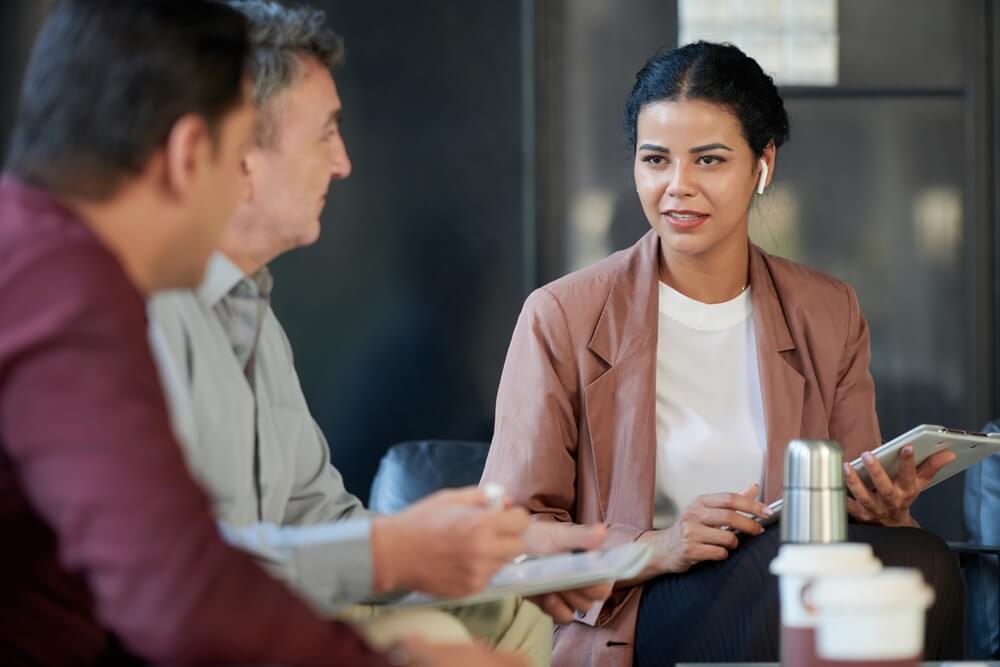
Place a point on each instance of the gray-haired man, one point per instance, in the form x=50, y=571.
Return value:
x=249, y=434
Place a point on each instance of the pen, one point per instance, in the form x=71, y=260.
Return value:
x=494, y=495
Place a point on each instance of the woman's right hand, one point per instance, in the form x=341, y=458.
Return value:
x=698, y=534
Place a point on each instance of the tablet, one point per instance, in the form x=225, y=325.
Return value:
x=545, y=574
x=927, y=439
x=970, y=448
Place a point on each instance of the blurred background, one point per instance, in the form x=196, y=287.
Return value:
x=489, y=159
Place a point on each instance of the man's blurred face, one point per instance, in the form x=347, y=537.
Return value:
x=227, y=180
x=292, y=173
x=218, y=183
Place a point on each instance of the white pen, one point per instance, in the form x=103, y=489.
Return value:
x=494, y=495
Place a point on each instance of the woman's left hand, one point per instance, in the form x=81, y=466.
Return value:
x=888, y=501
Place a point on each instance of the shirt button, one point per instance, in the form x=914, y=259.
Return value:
x=581, y=614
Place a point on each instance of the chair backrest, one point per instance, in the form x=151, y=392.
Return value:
x=411, y=470
x=982, y=519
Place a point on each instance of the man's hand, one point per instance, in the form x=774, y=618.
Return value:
x=419, y=653
x=449, y=544
x=549, y=537
x=887, y=502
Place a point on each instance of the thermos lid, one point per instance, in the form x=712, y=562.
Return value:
x=814, y=464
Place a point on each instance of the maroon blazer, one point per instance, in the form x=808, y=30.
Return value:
x=104, y=530
x=575, y=436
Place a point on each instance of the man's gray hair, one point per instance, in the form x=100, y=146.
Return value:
x=279, y=36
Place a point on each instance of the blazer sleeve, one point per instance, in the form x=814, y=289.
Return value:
x=853, y=421
x=535, y=441
x=534, y=447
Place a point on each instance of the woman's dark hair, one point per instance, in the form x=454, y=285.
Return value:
x=717, y=73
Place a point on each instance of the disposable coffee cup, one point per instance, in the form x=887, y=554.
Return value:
x=872, y=621
x=799, y=567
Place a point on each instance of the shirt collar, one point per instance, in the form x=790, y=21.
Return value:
x=221, y=276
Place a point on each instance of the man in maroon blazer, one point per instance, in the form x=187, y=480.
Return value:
x=124, y=165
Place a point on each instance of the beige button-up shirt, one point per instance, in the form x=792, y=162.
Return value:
x=248, y=435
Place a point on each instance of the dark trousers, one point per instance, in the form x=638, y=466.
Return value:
x=730, y=611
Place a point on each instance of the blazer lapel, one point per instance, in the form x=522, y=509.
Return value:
x=782, y=386
x=620, y=403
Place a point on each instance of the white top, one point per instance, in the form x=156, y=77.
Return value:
x=710, y=433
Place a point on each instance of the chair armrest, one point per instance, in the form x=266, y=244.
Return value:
x=975, y=549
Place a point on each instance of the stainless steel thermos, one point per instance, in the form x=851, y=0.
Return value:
x=814, y=509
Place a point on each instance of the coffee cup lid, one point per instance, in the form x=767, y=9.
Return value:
x=811, y=560
x=891, y=587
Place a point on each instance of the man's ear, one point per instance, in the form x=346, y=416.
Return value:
x=250, y=168
x=189, y=145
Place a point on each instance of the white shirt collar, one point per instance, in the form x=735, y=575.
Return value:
x=221, y=276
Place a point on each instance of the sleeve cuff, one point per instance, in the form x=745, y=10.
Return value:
x=333, y=562
x=602, y=612
x=330, y=564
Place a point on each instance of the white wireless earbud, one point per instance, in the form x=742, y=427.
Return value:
x=762, y=183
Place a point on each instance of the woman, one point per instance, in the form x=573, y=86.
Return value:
x=656, y=390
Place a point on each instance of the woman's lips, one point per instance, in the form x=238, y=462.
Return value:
x=685, y=220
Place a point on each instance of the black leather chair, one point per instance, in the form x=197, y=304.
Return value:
x=411, y=470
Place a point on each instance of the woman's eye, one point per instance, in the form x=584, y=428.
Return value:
x=655, y=160
x=710, y=159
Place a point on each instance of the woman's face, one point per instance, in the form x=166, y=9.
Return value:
x=695, y=175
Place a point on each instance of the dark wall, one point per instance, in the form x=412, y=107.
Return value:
x=401, y=314
x=19, y=21
x=884, y=184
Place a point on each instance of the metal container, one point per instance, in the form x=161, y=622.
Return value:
x=814, y=509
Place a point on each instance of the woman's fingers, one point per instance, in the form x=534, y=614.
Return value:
x=708, y=535
x=703, y=552
x=717, y=518
x=553, y=605
x=906, y=478
x=578, y=600
x=736, y=501
x=931, y=466
x=882, y=483
x=707, y=529
x=858, y=512
x=871, y=504
x=888, y=499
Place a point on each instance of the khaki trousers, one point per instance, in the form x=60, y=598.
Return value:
x=512, y=625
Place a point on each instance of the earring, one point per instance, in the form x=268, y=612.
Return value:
x=763, y=177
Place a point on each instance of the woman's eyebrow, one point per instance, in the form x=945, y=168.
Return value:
x=710, y=147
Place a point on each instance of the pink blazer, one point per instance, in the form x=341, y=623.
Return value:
x=575, y=436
